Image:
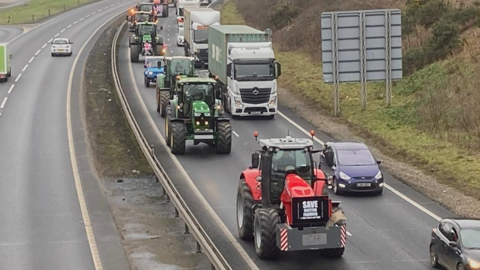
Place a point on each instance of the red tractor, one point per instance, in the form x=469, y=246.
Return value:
x=282, y=204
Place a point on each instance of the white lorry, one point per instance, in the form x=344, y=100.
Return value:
x=243, y=59
x=197, y=22
x=181, y=4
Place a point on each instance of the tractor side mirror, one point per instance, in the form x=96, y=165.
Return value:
x=229, y=69
x=145, y=66
x=161, y=27
x=255, y=160
x=453, y=244
x=278, y=68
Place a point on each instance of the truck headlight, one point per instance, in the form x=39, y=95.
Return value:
x=344, y=176
x=379, y=175
x=273, y=102
x=238, y=102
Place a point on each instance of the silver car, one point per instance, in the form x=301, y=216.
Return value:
x=61, y=46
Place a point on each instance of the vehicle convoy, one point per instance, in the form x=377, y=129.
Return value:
x=5, y=65
x=243, y=59
x=282, y=204
x=354, y=167
x=197, y=22
x=455, y=244
x=139, y=17
x=174, y=66
x=153, y=67
x=61, y=46
x=195, y=114
x=180, y=5
x=145, y=33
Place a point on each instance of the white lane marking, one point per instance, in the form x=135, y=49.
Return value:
x=63, y=30
x=88, y=15
x=208, y=207
x=3, y=103
x=31, y=59
x=25, y=68
x=75, y=22
x=235, y=133
x=37, y=52
x=18, y=77
x=99, y=10
x=81, y=19
x=69, y=26
x=50, y=40
x=58, y=34
x=76, y=175
x=44, y=45
x=11, y=88
x=93, y=13
x=398, y=193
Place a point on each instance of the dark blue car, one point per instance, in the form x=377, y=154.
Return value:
x=354, y=168
x=152, y=69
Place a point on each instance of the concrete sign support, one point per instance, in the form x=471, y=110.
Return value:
x=361, y=46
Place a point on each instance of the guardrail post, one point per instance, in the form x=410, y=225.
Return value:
x=33, y=17
x=199, y=248
x=49, y=14
x=152, y=150
x=63, y=7
x=187, y=230
x=176, y=212
x=8, y=21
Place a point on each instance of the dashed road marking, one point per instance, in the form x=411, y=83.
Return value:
x=75, y=22
x=18, y=77
x=88, y=15
x=63, y=30
x=81, y=19
x=25, y=68
x=31, y=59
x=37, y=52
x=69, y=26
x=50, y=40
x=44, y=45
x=94, y=12
x=3, y=103
x=11, y=88
x=58, y=34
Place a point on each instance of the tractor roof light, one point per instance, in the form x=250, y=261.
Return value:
x=178, y=78
x=216, y=78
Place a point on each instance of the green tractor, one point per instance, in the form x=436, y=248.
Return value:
x=139, y=17
x=174, y=66
x=195, y=114
x=145, y=31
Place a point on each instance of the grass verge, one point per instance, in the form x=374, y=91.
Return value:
x=115, y=149
x=37, y=10
x=391, y=129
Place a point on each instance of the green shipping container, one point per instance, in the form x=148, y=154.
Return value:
x=218, y=38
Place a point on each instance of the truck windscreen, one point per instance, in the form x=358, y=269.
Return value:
x=201, y=36
x=180, y=11
x=250, y=72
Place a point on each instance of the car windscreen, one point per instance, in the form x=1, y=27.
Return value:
x=152, y=63
x=254, y=71
x=60, y=41
x=181, y=32
x=145, y=8
x=355, y=157
x=471, y=238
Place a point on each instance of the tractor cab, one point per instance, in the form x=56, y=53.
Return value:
x=140, y=17
x=146, y=7
x=196, y=97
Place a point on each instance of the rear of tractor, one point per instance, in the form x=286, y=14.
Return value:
x=282, y=204
x=165, y=82
x=145, y=31
x=195, y=114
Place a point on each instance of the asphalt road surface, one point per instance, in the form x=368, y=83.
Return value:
x=387, y=232
x=42, y=224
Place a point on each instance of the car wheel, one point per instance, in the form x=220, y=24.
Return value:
x=460, y=267
x=433, y=257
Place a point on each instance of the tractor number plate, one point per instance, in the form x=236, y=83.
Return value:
x=314, y=239
x=364, y=184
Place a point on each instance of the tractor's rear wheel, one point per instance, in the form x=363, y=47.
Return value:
x=164, y=97
x=244, y=211
x=265, y=235
x=333, y=252
x=167, y=125
x=178, y=137
x=134, y=54
x=224, y=137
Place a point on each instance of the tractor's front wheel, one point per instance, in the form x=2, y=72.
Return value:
x=167, y=125
x=244, y=211
x=265, y=233
x=178, y=137
x=164, y=97
x=224, y=137
x=333, y=252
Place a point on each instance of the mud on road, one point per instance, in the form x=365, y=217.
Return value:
x=153, y=238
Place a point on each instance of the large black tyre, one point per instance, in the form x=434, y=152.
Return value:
x=163, y=101
x=224, y=137
x=178, y=138
x=333, y=252
x=134, y=53
x=265, y=234
x=167, y=125
x=244, y=211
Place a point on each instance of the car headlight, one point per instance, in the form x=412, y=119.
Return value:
x=150, y=73
x=379, y=175
x=473, y=264
x=344, y=176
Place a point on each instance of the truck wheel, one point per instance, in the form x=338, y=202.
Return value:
x=244, y=211
x=224, y=138
x=333, y=252
x=134, y=53
x=164, y=96
x=168, y=116
x=178, y=137
x=265, y=235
